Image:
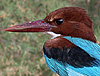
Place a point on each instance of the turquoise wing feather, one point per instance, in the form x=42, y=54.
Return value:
x=93, y=49
x=60, y=68
x=64, y=69
x=56, y=66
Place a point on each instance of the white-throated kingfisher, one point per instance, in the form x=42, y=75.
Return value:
x=73, y=53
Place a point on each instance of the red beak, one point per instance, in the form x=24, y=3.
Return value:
x=33, y=26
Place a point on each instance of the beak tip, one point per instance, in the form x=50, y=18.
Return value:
x=6, y=29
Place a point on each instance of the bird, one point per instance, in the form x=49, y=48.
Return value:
x=74, y=51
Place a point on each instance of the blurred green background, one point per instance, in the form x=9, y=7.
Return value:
x=21, y=53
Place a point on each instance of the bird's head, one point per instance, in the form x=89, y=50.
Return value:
x=67, y=21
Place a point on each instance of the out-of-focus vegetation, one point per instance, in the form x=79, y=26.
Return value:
x=21, y=53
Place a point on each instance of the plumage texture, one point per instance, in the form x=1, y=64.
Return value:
x=65, y=69
x=93, y=49
x=74, y=56
x=60, y=68
x=76, y=31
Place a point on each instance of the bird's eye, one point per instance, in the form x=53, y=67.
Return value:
x=59, y=21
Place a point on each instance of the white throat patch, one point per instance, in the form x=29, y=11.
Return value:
x=52, y=34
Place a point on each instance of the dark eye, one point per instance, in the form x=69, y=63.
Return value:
x=59, y=21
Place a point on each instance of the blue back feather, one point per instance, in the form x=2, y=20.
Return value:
x=64, y=69
x=93, y=49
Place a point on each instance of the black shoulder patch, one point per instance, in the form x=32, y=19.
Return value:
x=74, y=56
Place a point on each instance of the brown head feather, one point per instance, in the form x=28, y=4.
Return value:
x=76, y=23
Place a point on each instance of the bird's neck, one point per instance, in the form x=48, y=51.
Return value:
x=84, y=35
